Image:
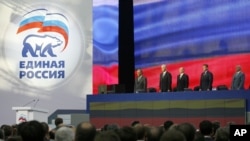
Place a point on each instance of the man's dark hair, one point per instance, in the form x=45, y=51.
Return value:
x=104, y=128
x=52, y=134
x=188, y=130
x=31, y=131
x=85, y=131
x=134, y=123
x=206, y=127
x=107, y=136
x=167, y=124
x=127, y=133
x=112, y=127
x=58, y=121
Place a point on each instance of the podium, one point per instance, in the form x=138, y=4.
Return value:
x=30, y=113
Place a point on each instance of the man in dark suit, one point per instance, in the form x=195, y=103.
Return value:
x=206, y=79
x=140, y=82
x=182, y=80
x=238, y=79
x=165, y=80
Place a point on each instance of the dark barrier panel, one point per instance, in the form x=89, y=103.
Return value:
x=155, y=108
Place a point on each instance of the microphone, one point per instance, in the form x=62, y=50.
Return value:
x=36, y=102
x=29, y=102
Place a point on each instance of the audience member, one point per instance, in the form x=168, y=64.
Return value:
x=31, y=131
x=58, y=122
x=167, y=124
x=7, y=129
x=14, y=138
x=104, y=128
x=52, y=135
x=14, y=129
x=1, y=135
x=46, y=129
x=173, y=135
x=187, y=129
x=85, y=131
x=154, y=133
x=112, y=127
x=127, y=133
x=216, y=125
x=135, y=123
x=198, y=136
x=206, y=129
x=222, y=134
x=64, y=134
x=140, y=131
x=106, y=136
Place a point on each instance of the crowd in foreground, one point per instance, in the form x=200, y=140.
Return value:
x=85, y=131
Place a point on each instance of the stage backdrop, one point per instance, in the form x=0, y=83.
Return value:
x=189, y=34
x=105, y=43
x=46, y=55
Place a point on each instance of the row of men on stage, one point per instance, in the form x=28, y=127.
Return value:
x=206, y=80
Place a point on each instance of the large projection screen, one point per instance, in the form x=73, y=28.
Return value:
x=189, y=34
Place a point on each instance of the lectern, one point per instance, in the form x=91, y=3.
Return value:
x=30, y=113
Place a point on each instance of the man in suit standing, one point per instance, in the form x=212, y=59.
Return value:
x=140, y=82
x=238, y=79
x=165, y=80
x=206, y=79
x=182, y=80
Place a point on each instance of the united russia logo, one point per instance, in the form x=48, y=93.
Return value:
x=47, y=46
x=41, y=43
